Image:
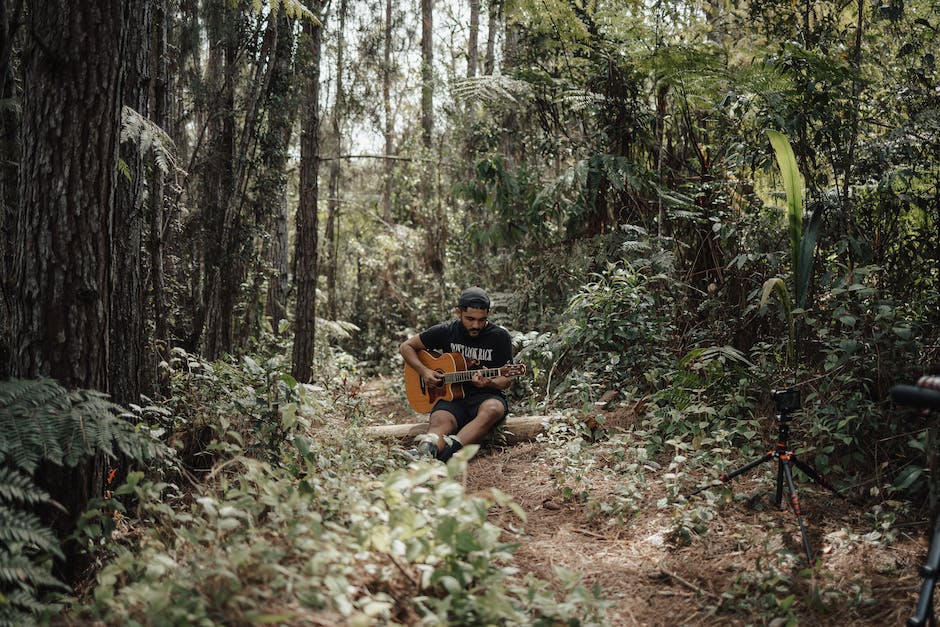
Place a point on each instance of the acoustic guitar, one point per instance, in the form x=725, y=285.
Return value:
x=422, y=395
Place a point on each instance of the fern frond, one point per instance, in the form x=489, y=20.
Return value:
x=492, y=88
x=149, y=138
x=580, y=100
x=16, y=568
x=18, y=526
x=26, y=407
x=294, y=9
x=30, y=391
x=43, y=422
x=22, y=607
x=15, y=486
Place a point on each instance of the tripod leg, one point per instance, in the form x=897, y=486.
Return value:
x=923, y=613
x=795, y=502
x=811, y=472
x=728, y=476
x=780, y=484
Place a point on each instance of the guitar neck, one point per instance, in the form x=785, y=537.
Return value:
x=466, y=375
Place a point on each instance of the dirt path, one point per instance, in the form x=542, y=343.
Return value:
x=740, y=571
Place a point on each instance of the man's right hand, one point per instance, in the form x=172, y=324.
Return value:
x=433, y=377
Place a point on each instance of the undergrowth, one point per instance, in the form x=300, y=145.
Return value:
x=298, y=516
x=48, y=429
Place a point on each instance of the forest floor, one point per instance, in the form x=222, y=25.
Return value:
x=745, y=569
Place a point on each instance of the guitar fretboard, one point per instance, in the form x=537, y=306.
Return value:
x=466, y=375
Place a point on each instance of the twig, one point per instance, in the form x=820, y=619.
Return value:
x=591, y=534
x=403, y=571
x=687, y=583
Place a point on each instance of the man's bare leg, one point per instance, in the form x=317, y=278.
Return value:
x=442, y=423
x=490, y=413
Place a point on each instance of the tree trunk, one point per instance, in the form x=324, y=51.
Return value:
x=156, y=200
x=230, y=265
x=274, y=153
x=10, y=16
x=248, y=249
x=473, y=48
x=305, y=274
x=62, y=263
x=333, y=205
x=127, y=311
x=427, y=72
x=389, y=130
x=216, y=329
x=70, y=130
x=434, y=248
x=489, y=59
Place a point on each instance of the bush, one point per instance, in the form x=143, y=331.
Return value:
x=45, y=426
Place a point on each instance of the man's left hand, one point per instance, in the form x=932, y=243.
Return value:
x=480, y=381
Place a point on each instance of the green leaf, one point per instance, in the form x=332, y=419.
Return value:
x=793, y=186
x=776, y=284
x=804, y=267
x=907, y=477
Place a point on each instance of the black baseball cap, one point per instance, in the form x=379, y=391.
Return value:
x=474, y=297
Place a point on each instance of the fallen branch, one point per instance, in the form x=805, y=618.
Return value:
x=515, y=429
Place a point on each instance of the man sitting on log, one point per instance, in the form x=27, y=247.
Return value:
x=469, y=416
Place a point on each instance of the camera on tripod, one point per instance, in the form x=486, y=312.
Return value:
x=787, y=401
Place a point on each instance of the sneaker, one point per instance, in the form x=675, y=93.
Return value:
x=424, y=451
x=451, y=446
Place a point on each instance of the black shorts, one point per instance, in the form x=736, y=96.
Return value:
x=465, y=409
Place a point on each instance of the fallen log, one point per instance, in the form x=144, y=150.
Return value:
x=513, y=430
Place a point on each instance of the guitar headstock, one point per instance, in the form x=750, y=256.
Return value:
x=512, y=370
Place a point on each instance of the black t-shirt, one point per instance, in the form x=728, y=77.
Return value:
x=491, y=349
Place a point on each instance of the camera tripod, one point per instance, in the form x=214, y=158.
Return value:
x=785, y=461
x=925, y=396
x=923, y=613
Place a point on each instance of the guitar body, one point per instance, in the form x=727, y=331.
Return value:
x=421, y=396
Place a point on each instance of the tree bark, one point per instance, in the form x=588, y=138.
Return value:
x=156, y=200
x=70, y=131
x=473, y=38
x=127, y=305
x=305, y=274
x=489, y=59
x=10, y=16
x=389, y=120
x=274, y=154
x=71, y=112
x=427, y=72
x=333, y=205
x=432, y=213
x=216, y=327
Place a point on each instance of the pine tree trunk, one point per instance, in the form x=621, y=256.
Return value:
x=71, y=114
x=333, y=206
x=158, y=313
x=305, y=259
x=389, y=130
x=216, y=329
x=127, y=305
x=473, y=47
x=10, y=15
x=68, y=168
x=489, y=59
x=275, y=142
x=427, y=72
x=434, y=248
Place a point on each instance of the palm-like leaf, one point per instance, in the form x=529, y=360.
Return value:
x=802, y=242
